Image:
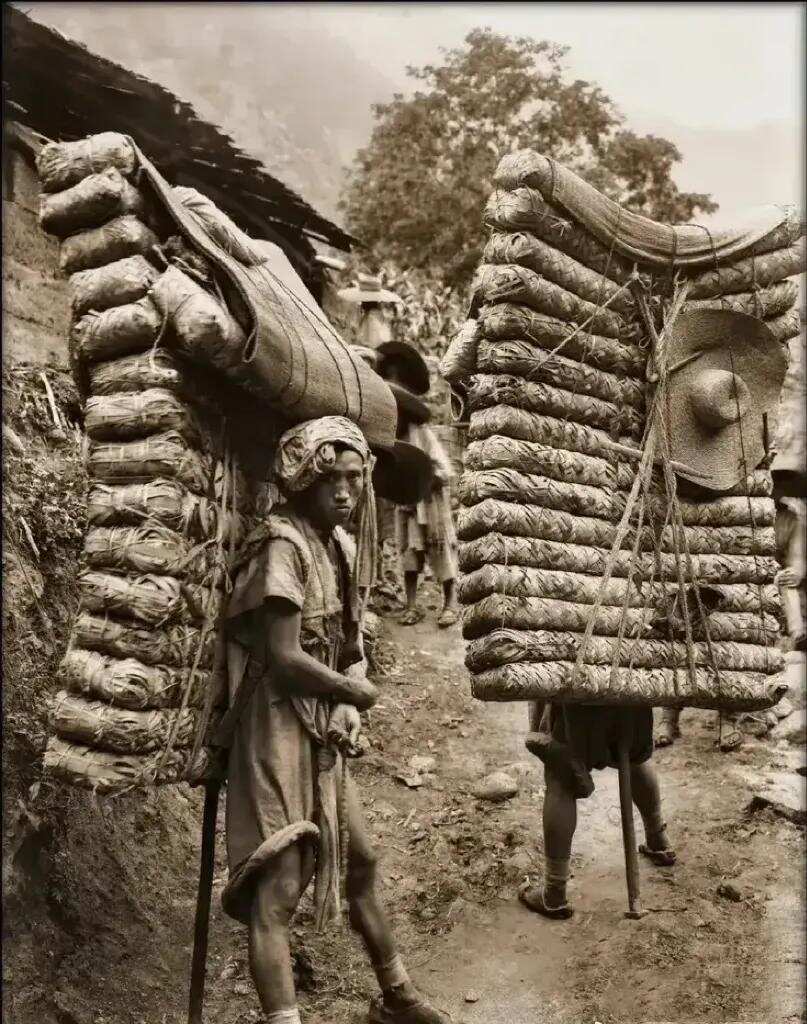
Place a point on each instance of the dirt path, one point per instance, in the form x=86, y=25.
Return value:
x=451, y=866
x=698, y=953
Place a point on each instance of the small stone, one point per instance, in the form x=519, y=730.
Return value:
x=793, y=729
x=496, y=787
x=456, y=909
x=420, y=764
x=412, y=780
x=729, y=891
x=230, y=970
x=520, y=863
x=471, y=997
x=242, y=988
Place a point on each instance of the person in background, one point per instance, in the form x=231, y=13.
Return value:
x=790, y=524
x=374, y=305
x=424, y=531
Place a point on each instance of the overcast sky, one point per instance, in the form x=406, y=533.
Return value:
x=708, y=65
x=724, y=81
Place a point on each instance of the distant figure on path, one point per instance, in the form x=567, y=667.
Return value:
x=374, y=301
x=425, y=532
x=789, y=486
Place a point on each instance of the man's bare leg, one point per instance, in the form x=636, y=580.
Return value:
x=411, y=577
x=450, y=595
x=560, y=822
x=411, y=589
x=277, y=894
x=647, y=797
x=669, y=729
x=370, y=920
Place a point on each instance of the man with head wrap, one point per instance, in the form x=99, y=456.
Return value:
x=293, y=635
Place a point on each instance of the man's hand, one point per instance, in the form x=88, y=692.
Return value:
x=787, y=578
x=344, y=727
x=362, y=694
x=439, y=478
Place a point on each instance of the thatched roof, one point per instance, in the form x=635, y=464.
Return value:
x=60, y=89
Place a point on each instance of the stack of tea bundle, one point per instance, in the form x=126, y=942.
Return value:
x=597, y=566
x=140, y=682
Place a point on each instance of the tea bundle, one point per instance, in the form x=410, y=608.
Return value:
x=584, y=577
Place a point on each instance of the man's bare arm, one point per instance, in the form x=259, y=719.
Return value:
x=299, y=672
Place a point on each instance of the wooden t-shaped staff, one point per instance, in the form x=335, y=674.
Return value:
x=634, y=910
x=656, y=377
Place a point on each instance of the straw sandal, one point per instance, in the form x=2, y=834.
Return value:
x=532, y=896
x=417, y=1013
x=661, y=858
x=411, y=617
x=446, y=618
x=732, y=739
x=667, y=734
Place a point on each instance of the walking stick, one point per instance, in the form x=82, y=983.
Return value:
x=200, y=930
x=634, y=910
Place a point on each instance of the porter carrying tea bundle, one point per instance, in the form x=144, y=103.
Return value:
x=194, y=346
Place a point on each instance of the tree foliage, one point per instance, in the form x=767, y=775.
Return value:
x=417, y=190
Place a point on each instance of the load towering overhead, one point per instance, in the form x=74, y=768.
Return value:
x=595, y=570
x=186, y=333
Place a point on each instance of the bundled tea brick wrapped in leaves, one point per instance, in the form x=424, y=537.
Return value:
x=118, y=239
x=63, y=164
x=567, y=597
x=104, y=772
x=161, y=501
x=119, y=730
x=95, y=200
x=175, y=646
x=115, y=284
x=138, y=414
x=117, y=331
x=128, y=683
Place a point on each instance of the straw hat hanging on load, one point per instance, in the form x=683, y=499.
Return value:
x=367, y=289
x=726, y=372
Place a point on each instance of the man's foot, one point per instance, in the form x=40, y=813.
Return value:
x=386, y=1009
x=659, y=852
x=448, y=617
x=668, y=732
x=731, y=739
x=536, y=898
x=411, y=617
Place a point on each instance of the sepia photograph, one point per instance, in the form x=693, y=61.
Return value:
x=404, y=563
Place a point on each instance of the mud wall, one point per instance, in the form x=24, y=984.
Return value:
x=36, y=298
